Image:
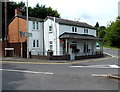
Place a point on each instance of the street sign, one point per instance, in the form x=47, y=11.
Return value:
x=26, y=34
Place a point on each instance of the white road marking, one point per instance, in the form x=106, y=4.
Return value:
x=110, y=55
x=98, y=66
x=114, y=66
x=99, y=75
x=34, y=72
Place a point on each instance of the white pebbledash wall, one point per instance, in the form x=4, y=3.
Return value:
x=57, y=30
x=60, y=29
x=37, y=34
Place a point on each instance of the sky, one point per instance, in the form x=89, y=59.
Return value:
x=89, y=11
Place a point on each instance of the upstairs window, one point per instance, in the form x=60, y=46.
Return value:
x=37, y=25
x=74, y=29
x=85, y=30
x=50, y=29
x=33, y=25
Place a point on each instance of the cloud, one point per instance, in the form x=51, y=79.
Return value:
x=90, y=11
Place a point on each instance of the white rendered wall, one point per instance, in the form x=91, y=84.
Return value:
x=37, y=34
x=80, y=30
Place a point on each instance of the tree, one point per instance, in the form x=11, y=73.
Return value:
x=38, y=12
x=97, y=25
x=101, y=34
x=112, y=36
x=42, y=12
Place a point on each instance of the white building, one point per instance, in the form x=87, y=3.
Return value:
x=63, y=37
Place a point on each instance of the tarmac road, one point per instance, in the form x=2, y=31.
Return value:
x=29, y=76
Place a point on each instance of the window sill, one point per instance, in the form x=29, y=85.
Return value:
x=35, y=30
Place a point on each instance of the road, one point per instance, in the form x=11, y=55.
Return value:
x=74, y=76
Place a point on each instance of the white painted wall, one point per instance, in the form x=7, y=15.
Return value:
x=80, y=30
x=37, y=34
x=57, y=29
x=51, y=36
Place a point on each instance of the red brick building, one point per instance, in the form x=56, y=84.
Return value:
x=16, y=24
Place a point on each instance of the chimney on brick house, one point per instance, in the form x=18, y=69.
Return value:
x=18, y=12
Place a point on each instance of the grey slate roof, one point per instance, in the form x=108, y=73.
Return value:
x=78, y=36
x=58, y=20
x=71, y=22
x=30, y=18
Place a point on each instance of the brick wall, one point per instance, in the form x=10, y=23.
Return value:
x=17, y=49
x=13, y=28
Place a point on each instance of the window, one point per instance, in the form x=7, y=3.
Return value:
x=37, y=43
x=33, y=25
x=74, y=29
x=37, y=25
x=85, y=30
x=51, y=45
x=33, y=43
x=50, y=29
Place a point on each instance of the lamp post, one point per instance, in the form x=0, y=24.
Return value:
x=27, y=28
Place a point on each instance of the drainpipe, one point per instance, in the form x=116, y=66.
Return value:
x=56, y=34
x=66, y=46
x=43, y=38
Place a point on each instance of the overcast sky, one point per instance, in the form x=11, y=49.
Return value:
x=90, y=11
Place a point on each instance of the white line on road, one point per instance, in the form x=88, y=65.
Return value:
x=99, y=75
x=98, y=66
x=34, y=72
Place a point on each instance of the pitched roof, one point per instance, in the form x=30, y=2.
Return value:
x=78, y=36
x=29, y=18
x=71, y=22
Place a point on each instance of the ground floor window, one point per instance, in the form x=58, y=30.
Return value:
x=51, y=45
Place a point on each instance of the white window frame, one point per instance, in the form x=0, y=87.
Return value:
x=51, y=44
x=86, y=30
x=37, y=25
x=33, y=43
x=74, y=29
x=33, y=25
x=50, y=29
x=37, y=43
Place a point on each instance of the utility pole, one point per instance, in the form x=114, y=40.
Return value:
x=27, y=28
x=5, y=39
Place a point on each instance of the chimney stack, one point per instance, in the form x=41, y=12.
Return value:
x=18, y=12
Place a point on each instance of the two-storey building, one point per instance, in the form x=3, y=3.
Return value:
x=62, y=36
x=69, y=37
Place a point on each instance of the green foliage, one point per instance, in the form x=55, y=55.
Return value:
x=38, y=12
x=112, y=36
x=42, y=12
x=101, y=31
x=101, y=34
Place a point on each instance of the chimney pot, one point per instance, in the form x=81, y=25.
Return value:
x=18, y=12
